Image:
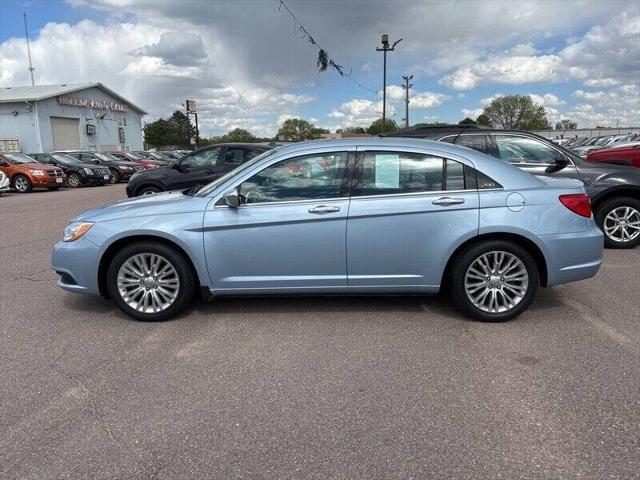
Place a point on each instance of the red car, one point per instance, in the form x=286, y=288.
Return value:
x=139, y=159
x=628, y=154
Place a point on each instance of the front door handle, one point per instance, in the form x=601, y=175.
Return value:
x=446, y=201
x=322, y=209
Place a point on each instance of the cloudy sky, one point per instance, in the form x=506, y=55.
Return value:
x=248, y=65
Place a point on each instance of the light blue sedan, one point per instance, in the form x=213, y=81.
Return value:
x=366, y=215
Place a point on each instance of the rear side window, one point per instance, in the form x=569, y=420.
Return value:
x=391, y=173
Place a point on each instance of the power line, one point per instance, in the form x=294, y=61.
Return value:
x=324, y=61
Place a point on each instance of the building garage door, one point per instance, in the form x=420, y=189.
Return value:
x=66, y=133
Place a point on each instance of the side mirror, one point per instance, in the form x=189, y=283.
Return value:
x=232, y=198
x=560, y=163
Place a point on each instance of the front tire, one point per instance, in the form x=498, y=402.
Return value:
x=22, y=184
x=150, y=281
x=494, y=281
x=619, y=220
x=115, y=177
x=74, y=180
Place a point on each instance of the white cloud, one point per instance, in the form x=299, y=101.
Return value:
x=602, y=82
x=360, y=112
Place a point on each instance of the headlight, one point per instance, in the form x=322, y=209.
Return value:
x=88, y=171
x=75, y=230
x=38, y=173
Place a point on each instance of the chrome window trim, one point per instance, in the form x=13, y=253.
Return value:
x=286, y=202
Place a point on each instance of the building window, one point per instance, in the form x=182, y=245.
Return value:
x=122, y=122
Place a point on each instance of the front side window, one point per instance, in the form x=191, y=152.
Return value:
x=312, y=177
x=524, y=150
x=206, y=158
x=476, y=142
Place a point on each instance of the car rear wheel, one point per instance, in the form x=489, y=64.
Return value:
x=150, y=190
x=494, y=281
x=22, y=184
x=150, y=281
x=619, y=219
x=74, y=180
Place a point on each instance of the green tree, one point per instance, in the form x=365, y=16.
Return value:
x=297, y=129
x=566, y=124
x=237, y=135
x=155, y=133
x=516, y=111
x=467, y=121
x=354, y=131
x=176, y=131
x=484, y=120
x=376, y=127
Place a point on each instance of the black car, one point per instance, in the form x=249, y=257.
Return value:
x=78, y=173
x=197, y=168
x=120, y=170
x=612, y=188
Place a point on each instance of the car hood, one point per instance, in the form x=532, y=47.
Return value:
x=159, y=172
x=166, y=203
x=33, y=166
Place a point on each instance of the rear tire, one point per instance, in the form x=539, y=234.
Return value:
x=619, y=220
x=150, y=281
x=22, y=184
x=494, y=281
x=150, y=190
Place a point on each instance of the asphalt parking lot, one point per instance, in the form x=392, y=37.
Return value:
x=326, y=388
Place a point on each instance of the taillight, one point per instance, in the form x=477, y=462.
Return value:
x=578, y=203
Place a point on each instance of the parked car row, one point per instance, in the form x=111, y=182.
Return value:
x=624, y=154
x=75, y=168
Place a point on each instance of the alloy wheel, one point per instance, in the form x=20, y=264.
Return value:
x=496, y=282
x=21, y=184
x=74, y=180
x=622, y=224
x=148, y=283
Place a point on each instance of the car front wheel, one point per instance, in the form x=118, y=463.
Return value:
x=150, y=281
x=115, y=176
x=619, y=220
x=74, y=180
x=494, y=281
x=22, y=184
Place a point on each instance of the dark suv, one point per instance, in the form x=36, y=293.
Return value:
x=78, y=173
x=197, y=168
x=614, y=190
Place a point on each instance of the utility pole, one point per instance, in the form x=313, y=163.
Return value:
x=385, y=48
x=26, y=32
x=406, y=86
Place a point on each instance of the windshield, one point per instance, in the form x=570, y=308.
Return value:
x=19, y=158
x=207, y=189
x=65, y=159
x=136, y=156
x=105, y=157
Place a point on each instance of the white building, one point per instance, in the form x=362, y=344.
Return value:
x=86, y=116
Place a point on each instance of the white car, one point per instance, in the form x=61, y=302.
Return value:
x=4, y=183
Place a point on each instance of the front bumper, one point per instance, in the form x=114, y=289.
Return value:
x=572, y=256
x=76, y=264
x=5, y=185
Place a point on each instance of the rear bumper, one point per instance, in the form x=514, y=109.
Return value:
x=572, y=256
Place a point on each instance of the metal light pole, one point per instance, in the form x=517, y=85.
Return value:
x=406, y=87
x=385, y=48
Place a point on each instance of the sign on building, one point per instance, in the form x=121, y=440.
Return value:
x=9, y=146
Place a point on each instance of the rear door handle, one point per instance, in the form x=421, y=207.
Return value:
x=446, y=201
x=322, y=209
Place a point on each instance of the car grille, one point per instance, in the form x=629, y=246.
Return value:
x=56, y=172
x=102, y=171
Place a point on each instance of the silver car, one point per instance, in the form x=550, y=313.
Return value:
x=5, y=183
x=366, y=215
